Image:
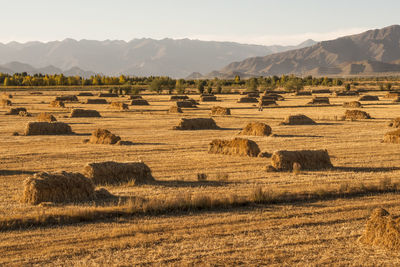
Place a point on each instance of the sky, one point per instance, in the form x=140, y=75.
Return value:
x=265, y=22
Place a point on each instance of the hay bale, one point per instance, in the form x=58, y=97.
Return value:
x=103, y=136
x=321, y=91
x=99, y=101
x=15, y=111
x=43, y=116
x=133, y=97
x=283, y=160
x=47, y=128
x=382, y=230
x=395, y=123
x=346, y=93
x=220, y=111
x=24, y=114
x=392, y=137
x=110, y=172
x=352, y=104
x=194, y=102
x=67, y=98
x=247, y=100
x=175, y=109
x=271, y=96
x=266, y=103
x=185, y=104
x=237, y=146
x=36, y=93
x=6, y=103
x=57, y=104
x=139, y=102
x=319, y=101
x=253, y=94
x=208, y=98
x=356, y=115
x=256, y=129
x=196, y=124
x=368, y=98
x=84, y=113
x=107, y=95
x=392, y=95
x=302, y=93
x=119, y=105
x=299, y=119
x=178, y=97
x=85, y=94
x=58, y=188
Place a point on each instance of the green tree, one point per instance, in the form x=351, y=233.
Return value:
x=200, y=86
x=252, y=84
x=347, y=86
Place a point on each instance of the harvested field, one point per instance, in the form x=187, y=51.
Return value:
x=392, y=95
x=196, y=124
x=307, y=159
x=96, y=101
x=303, y=93
x=299, y=119
x=139, y=102
x=352, y=104
x=266, y=103
x=46, y=117
x=392, y=137
x=321, y=91
x=119, y=105
x=84, y=113
x=356, y=115
x=47, y=128
x=256, y=129
x=237, y=146
x=271, y=96
x=220, y=111
x=103, y=136
x=346, y=93
x=57, y=104
x=368, y=98
x=67, y=98
x=6, y=102
x=133, y=97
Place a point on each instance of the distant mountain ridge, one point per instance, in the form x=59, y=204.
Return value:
x=140, y=57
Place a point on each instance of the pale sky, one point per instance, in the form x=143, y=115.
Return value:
x=246, y=21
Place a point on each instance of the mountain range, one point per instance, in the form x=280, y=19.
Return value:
x=139, y=57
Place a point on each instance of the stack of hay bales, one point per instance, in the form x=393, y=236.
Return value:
x=57, y=188
x=107, y=95
x=392, y=95
x=299, y=119
x=47, y=128
x=45, y=117
x=178, y=97
x=319, y=101
x=356, y=115
x=84, y=113
x=103, y=136
x=321, y=91
x=208, y=98
x=67, y=98
x=307, y=159
x=6, y=102
x=119, y=105
x=247, y=100
x=352, y=104
x=185, y=104
x=256, y=129
x=368, y=98
x=272, y=96
x=392, y=137
x=382, y=230
x=346, y=93
x=85, y=94
x=302, y=93
x=196, y=124
x=237, y=146
x=220, y=111
x=57, y=104
x=133, y=97
x=110, y=172
x=266, y=103
x=16, y=111
x=96, y=101
x=175, y=109
x=253, y=94
x=139, y=102
x=395, y=123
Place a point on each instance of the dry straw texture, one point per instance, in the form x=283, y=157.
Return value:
x=118, y=105
x=382, y=230
x=256, y=129
x=47, y=128
x=237, y=146
x=175, y=109
x=319, y=100
x=352, y=104
x=83, y=113
x=96, y=101
x=103, y=136
x=110, y=172
x=298, y=119
x=368, y=98
x=85, y=94
x=139, y=102
x=308, y=159
x=392, y=137
x=57, y=187
x=46, y=117
x=178, y=97
x=67, y=98
x=247, y=100
x=57, y=104
x=395, y=123
x=356, y=115
x=185, y=104
x=196, y=124
x=220, y=111
x=15, y=111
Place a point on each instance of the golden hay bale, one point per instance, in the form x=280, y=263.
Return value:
x=196, y=124
x=346, y=93
x=247, y=100
x=356, y=115
x=139, y=102
x=256, y=129
x=382, y=230
x=83, y=113
x=271, y=96
x=47, y=128
x=67, y=98
x=110, y=172
x=298, y=120
x=103, y=136
x=302, y=93
x=392, y=137
x=266, y=103
x=15, y=111
x=392, y=95
x=237, y=146
x=6, y=102
x=283, y=160
x=107, y=95
x=119, y=105
x=321, y=91
x=132, y=97
x=178, y=97
x=58, y=188
x=352, y=104
x=368, y=98
x=252, y=94
x=319, y=100
x=220, y=111
x=24, y=114
x=194, y=102
x=175, y=109
x=96, y=101
x=395, y=123
x=208, y=98
x=57, y=104
x=85, y=94
x=43, y=116
x=185, y=104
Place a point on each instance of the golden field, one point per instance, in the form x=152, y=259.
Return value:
x=323, y=231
